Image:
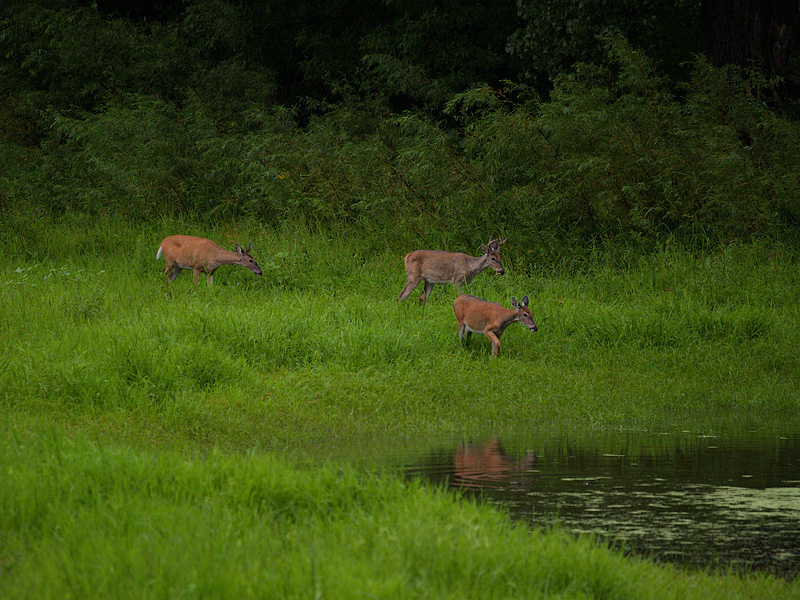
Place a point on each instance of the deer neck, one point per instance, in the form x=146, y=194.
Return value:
x=227, y=257
x=476, y=264
x=509, y=316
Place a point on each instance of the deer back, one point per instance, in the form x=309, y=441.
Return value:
x=439, y=266
x=190, y=252
x=480, y=315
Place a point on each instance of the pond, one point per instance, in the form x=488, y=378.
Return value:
x=723, y=500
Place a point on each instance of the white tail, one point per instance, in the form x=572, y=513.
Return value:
x=490, y=318
x=201, y=256
x=437, y=266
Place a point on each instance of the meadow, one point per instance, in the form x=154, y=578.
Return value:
x=175, y=441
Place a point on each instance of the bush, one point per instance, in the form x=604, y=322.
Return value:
x=613, y=156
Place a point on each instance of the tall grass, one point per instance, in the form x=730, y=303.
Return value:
x=135, y=415
x=319, y=345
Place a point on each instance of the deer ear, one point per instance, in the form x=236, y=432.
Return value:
x=515, y=303
x=248, y=249
x=238, y=248
x=524, y=301
x=484, y=248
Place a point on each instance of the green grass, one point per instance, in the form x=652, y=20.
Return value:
x=106, y=521
x=163, y=427
x=319, y=344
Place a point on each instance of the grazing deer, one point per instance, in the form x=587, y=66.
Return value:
x=201, y=256
x=490, y=318
x=438, y=266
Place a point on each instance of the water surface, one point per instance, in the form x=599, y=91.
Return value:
x=723, y=500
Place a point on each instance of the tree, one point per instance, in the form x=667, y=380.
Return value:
x=749, y=33
x=556, y=34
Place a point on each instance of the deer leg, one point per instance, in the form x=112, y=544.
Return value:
x=495, y=339
x=412, y=283
x=427, y=293
x=176, y=270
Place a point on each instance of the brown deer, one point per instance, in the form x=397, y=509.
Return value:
x=490, y=318
x=201, y=256
x=438, y=266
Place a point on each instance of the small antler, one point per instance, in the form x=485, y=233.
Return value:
x=494, y=244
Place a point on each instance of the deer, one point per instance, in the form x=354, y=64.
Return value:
x=201, y=256
x=475, y=315
x=439, y=266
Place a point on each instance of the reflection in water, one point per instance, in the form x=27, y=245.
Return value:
x=695, y=500
x=477, y=464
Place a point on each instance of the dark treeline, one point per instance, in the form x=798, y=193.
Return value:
x=556, y=123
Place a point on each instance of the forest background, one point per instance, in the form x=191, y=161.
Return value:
x=562, y=125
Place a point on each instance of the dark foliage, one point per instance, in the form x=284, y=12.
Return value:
x=403, y=118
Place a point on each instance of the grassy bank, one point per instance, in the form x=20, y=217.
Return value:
x=319, y=348
x=136, y=416
x=106, y=521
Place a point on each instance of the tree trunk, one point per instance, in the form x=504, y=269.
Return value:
x=748, y=33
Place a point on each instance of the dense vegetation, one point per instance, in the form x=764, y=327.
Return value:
x=105, y=114
x=651, y=205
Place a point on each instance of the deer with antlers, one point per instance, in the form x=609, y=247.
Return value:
x=438, y=266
